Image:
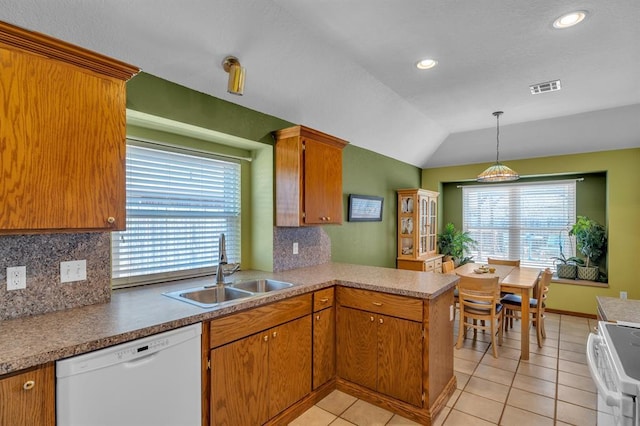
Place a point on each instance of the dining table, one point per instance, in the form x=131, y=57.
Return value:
x=513, y=279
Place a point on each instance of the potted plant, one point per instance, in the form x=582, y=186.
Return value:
x=591, y=240
x=453, y=243
x=566, y=267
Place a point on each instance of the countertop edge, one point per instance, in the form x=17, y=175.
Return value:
x=194, y=315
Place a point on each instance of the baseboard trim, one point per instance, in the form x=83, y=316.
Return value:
x=575, y=314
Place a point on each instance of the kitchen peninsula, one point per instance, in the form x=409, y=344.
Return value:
x=143, y=311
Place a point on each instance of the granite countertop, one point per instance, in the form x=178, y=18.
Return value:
x=614, y=309
x=141, y=311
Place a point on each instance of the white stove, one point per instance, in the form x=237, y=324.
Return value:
x=613, y=356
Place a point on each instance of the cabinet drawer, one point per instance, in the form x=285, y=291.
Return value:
x=438, y=263
x=383, y=303
x=235, y=326
x=429, y=265
x=323, y=299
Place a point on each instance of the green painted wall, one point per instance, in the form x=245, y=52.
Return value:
x=161, y=98
x=364, y=172
x=622, y=207
x=368, y=173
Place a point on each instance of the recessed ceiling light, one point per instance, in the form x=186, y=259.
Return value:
x=426, y=64
x=570, y=19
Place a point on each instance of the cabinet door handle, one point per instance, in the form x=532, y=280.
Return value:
x=328, y=218
x=324, y=300
x=381, y=321
x=371, y=319
x=266, y=338
x=377, y=303
x=275, y=333
x=28, y=385
x=317, y=317
x=111, y=220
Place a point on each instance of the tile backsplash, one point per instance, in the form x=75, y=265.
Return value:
x=314, y=247
x=42, y=254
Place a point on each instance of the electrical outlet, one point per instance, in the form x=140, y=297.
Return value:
x=16, y=277
x=295, y=248
x=623, y=295
x=75, y=270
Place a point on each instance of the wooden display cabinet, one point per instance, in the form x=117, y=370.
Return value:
x=417, y=230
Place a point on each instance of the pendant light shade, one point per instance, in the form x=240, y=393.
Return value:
x=498, y=172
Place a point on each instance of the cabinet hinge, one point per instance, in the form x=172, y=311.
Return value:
x=208, y=364
x=304, y=145
x=424, y=333
x=423, y=396
x=304, y=215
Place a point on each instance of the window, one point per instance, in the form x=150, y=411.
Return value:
x=178, y=203
x=526, y=221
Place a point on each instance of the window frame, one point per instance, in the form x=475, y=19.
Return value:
x=515, y=228
x=134, y=280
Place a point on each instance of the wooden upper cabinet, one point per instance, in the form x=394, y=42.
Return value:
x=62, y=138
x=308, y=177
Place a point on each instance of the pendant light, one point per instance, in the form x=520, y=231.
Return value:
x=498, y=172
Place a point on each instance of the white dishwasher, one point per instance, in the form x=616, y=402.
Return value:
x=150, y=381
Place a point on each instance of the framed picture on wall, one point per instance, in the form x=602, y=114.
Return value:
x=365, y=208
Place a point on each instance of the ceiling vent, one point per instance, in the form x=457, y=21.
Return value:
x=548, y=86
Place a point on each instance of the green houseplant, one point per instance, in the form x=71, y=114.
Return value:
x=454, y=243
x=591, y=240
x=566, y=267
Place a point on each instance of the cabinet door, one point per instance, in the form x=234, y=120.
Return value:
x=239, y=382
x=400, y=359
x=63, y=146
x=28, y=398
x=324, y=346
x=322, y=183
x=356, y=358
x=289, y=363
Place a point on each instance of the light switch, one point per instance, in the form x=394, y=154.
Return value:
x=75, y=270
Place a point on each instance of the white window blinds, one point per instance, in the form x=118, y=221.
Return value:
x=526, y=221
x=178, y=203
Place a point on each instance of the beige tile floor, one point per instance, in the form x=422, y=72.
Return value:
x=552, y=388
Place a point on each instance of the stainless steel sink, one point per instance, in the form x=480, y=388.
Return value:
x=261, y=286
x=207, y=297
x=213, y=295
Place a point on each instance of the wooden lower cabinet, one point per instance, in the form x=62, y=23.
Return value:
x=324, y=346
x=380, y=352
x=255, y=378
x=28, y=398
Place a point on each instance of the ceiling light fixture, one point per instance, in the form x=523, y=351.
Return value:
x=426, y=64
x=235, y=86
x=570, y=19
x=498, y=172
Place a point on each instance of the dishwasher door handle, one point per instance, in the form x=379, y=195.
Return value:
x=146, y=359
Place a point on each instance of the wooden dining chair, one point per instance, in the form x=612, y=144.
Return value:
x=513, y=305
x=479, y=299
x=492, y=261
x=448, y=266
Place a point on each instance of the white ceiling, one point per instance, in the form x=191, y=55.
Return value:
x=348, y=67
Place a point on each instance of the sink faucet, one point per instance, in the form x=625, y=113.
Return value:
x=222, y=250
